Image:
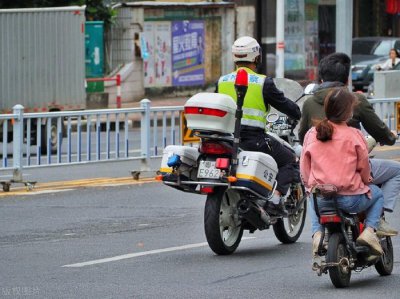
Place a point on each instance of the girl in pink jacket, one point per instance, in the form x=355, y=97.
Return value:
x=336, y=154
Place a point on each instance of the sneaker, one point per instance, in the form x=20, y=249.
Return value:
x=373, y=258
x=384, y=230
x=315, y=243
x=370, y=239
x=316, y=259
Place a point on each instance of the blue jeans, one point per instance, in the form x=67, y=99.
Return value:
x=352, y=204
x=387, y=174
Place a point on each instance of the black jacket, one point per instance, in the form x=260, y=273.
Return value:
x=363, y=114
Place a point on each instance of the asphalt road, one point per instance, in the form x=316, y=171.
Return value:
x=91, y=231
x=146, y=240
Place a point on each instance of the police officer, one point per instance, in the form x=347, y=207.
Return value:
x=261, y=94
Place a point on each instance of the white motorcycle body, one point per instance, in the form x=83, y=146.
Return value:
x=236, y=200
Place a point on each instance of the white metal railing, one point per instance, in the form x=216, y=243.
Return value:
x=72, y=137
x=386, y=109
x=105, y=134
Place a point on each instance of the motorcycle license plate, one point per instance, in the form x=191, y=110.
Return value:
x=207, y=170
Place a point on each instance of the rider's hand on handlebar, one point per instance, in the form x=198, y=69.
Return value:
x=395, y=134
x=292, y=122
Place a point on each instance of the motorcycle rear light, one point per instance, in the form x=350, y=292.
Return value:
x=174, y=161
x=206, y=190
x=205, y=111
x=222, y=163
x=215, y=148
x=159, y=177
x=330, y=219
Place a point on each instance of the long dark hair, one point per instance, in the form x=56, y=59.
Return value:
x=338, y=105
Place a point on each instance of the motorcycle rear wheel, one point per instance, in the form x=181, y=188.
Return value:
x=288, y=230
x=221, y=223
x=337, y=251
x=385, y=264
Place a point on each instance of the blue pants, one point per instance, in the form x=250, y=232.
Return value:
x=387, y=174
x=353, y=204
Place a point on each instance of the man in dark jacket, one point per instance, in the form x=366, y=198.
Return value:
x=334, y=71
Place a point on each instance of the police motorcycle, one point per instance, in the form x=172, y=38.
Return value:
x=237, y=183
x=338, y=252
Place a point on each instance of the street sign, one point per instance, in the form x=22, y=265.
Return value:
x=187, y=134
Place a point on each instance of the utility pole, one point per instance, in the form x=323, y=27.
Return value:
x=280, y=39
x=344, y=28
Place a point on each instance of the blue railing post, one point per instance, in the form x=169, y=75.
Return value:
x=18, y=139
x=145, y=134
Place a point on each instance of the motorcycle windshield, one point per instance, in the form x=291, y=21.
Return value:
x=291, y=89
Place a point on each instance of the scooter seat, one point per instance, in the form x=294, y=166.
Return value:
x=327, y=211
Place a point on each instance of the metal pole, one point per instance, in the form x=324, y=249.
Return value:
x=344, y=28
x=118, y=80
x=18, y=138
x=145, y=135
x=280, y=39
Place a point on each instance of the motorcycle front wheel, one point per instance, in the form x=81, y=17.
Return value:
x=222, y=226
x=288, y=229
x=337, y=254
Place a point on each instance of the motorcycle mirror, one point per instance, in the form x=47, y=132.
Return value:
x=310, y=88
x=272, y=117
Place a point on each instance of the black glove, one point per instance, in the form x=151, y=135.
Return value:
x=292, y=122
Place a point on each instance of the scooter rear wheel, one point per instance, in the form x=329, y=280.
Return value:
x=384, y=266
x=337, y=253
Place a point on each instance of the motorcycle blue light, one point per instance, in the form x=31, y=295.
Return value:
x=174, y=161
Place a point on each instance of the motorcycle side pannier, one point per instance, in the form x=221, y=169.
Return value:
x=188, y=155
x=211, y=112
x=256, y=171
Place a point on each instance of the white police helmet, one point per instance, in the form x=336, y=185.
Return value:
x=247, y=49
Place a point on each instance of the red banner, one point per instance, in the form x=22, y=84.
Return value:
x=392, y=6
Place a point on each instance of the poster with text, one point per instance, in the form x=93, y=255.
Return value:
x=188, y=53
x=157, y=64
x=147, y=40
x=162, y=53
x=294, y=35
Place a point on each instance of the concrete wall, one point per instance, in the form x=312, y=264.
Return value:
x=125, y=57
x=125, y=44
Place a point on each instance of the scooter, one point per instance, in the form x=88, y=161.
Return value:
x=338, y=252
x=237, y=183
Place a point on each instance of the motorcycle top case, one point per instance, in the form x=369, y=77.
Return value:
x=256, y=171
x=188, y=155
x=211, y=112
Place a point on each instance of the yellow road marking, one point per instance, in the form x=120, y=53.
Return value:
x=75, y=184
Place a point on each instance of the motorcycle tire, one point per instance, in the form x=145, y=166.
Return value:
x=223, y=232
x=287, y=230
x=52, y=138
x=384, y=266
x=339, y=275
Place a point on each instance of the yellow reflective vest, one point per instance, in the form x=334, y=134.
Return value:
x=254, y=109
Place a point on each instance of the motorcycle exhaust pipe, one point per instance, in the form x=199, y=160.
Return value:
x=254, y=214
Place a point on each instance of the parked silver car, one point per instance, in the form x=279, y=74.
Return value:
x=366, y=52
